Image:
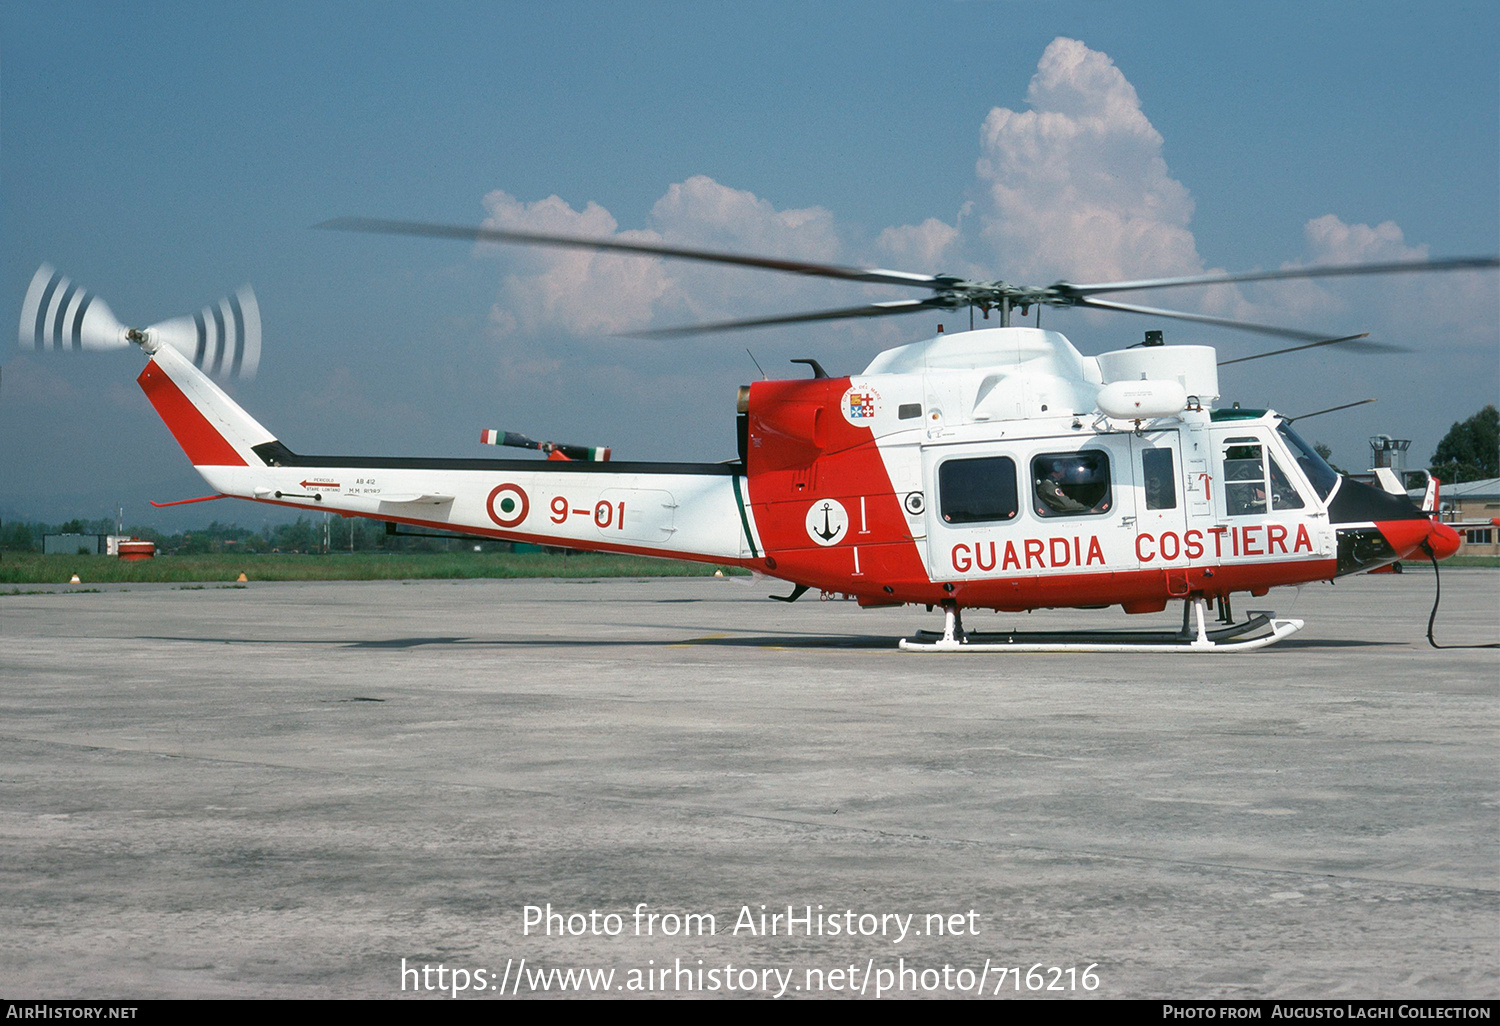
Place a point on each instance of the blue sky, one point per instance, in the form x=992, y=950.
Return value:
x=164, y=154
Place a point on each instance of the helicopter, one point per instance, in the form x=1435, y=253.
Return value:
x=995, y=468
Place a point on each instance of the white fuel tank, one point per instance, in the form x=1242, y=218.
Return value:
x=1195, y=368
x=1142, y=400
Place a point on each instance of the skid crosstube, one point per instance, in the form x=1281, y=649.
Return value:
x=954, y=639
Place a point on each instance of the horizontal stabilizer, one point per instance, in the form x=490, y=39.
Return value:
x=426, y=499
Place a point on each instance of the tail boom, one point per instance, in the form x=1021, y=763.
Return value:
x=679, y=510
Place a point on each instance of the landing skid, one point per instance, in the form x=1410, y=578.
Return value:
x=955, y=639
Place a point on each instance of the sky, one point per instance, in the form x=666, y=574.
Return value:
x=162, y=155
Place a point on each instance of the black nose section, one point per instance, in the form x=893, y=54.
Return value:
x=1359, y=503
x=1367, y=546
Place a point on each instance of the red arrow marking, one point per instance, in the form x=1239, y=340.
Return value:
x=319, y=484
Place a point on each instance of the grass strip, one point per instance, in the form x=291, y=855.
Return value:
x=34, y=568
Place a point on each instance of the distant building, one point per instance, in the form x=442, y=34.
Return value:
x=1473, y=510
x=72, y=544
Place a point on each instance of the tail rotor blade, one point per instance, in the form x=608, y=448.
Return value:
x=222, y=339
x=57, y=314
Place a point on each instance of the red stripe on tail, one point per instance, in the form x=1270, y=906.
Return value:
x=202, y=442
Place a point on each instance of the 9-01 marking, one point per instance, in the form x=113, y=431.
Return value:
x=604, y=514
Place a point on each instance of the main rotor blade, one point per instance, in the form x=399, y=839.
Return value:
x=1353, y=340
x=900, y=306
x=378, y=226
x=1264, y=329
x=1329, y=271
x=1331, y=409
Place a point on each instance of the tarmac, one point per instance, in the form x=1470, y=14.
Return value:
x=285, y=790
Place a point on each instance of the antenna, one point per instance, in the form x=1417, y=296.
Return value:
x=763, y=375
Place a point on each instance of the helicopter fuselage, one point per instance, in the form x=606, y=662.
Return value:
x=991, y=469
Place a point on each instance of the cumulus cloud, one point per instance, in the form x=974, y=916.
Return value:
x=1076, y=186
x=702, y=212
x=578, y=291
x=927, y=247
x=1331, y=241
x=585, y=293
x=1316, y=302
x=1408, y=308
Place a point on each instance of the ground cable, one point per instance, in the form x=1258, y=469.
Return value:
x=1438, y=597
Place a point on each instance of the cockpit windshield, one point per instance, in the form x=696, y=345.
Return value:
x=1319, y=474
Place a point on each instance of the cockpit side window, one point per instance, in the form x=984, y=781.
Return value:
x=1071, y=484
x=1283, y=493
x=1316, y=469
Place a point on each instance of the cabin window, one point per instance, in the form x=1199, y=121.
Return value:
x=1159, y=479
x=1244, y=479
x=1071, y=484
x=978, y=491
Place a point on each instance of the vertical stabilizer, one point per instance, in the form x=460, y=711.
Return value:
x=211, y=427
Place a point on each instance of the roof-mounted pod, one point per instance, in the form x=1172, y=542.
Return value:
x=1195, y=368
x=1145, y=399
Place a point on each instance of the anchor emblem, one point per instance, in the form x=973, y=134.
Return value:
x=826, y=521
x=828, y=533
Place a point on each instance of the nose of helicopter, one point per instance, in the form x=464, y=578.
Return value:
x=1406, y=537
x=1376, y=527
x=1442, y=539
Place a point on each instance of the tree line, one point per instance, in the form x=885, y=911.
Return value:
x=1470, y=451
x=303, y=536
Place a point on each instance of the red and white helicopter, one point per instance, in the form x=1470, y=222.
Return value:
x=997, y=468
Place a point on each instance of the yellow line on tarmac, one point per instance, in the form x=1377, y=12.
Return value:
x=698, y=641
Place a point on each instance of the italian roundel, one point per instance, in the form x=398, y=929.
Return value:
x=508, y=505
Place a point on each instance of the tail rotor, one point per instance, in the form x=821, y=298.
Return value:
x=222, y=339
